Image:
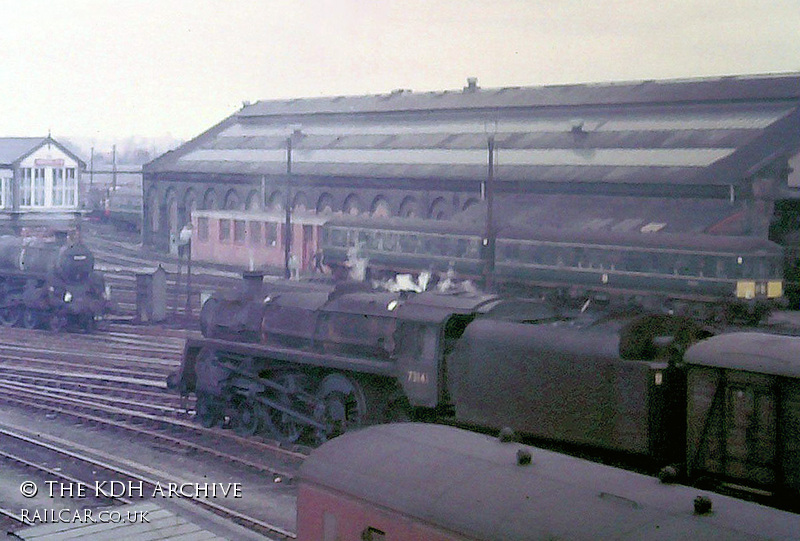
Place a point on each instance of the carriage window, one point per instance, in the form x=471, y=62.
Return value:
x=270, y=234
x=238, y=231
x=526, y=253
x=202, y=229
x=473, y=248
x=408, y=243
x=338, y=237
x=390, y=242
x=595, y=258
x=511, y=252
x=571, y=257
x=224, y=230
x=548, y=254
x=774, y=267
x=437, y=245
x=255, y=233
x=462, y=246
x=635, y=262
x=661, y=263
x=723, y=267
x=375, y=241
x=761, y=268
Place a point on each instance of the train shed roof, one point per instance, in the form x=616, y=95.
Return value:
x=710, y=131
x=470, y=484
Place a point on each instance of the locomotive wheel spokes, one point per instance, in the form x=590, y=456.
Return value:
x=30, y=318
x=11, y=316
x=208, y=410
x=286, y=427
x=86, y=322
x=343, y=406
x=247, y=420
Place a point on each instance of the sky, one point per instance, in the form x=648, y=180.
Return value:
x=105, y=69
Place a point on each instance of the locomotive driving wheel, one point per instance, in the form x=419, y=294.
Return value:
x=31, y=318
x=57, y=322
x=281, y=424
x=11, y=315
x=342, y=407
x=86, y=322
x=249, y=415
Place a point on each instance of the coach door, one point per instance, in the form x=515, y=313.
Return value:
x=750, y=432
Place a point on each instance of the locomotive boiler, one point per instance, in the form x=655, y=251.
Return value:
x=49, y=284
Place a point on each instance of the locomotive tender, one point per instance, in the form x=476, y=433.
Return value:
x=49, y=284
x=435, y=483
x=317, y=360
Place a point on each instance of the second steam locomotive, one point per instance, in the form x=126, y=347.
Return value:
x=49, y=284
x=313, y=361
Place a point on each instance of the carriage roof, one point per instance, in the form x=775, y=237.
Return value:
x=470, y=484
x=749, y=351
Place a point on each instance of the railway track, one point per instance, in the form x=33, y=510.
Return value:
x=80, y=465
x=124, y=393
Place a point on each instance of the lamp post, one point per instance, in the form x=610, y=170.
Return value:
x=287, y=226
x=287, y=229
x=185, y=240
x=489, y=238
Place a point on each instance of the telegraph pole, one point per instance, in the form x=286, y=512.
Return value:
x=489, y=238
x=287, y=229
x=114, y=168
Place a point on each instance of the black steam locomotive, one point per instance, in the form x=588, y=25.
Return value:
x=49, y=284
x=317, y=360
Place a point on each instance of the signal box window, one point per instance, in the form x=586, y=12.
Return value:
x=70, y=187
x=224, y=230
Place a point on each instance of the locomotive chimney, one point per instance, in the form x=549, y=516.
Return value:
x=251, y=283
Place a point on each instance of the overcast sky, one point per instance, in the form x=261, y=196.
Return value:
x=109, y=68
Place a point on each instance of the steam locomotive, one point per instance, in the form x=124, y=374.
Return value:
x=49, y=284
x=316, y=360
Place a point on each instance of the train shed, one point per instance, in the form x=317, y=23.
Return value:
x=731, y=140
